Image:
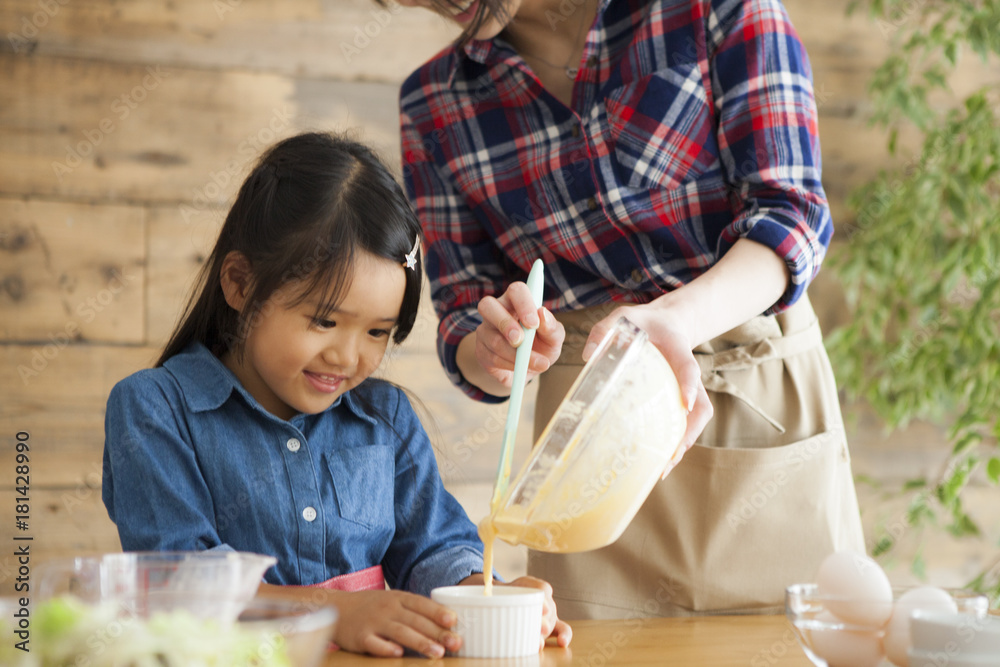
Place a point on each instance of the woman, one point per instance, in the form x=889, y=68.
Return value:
x=662, y=158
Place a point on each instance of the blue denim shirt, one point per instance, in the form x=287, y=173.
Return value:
x=193, y=462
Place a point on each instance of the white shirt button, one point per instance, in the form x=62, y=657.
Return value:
x=309, y=514
x=293, y=444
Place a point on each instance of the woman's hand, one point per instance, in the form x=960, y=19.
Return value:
x=710, y=305
x=493, y=345
x=551, y=625
x=383, y=623
x=663, y=326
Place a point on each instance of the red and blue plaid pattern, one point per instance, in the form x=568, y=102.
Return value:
x=693, y=124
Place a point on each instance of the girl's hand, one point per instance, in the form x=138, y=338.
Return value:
x=383, y=623
x=500, y=333
x=668, y=335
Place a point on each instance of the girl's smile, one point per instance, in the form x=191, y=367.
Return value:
x=325, y=383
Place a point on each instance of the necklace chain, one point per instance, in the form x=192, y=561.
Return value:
x=570, y=72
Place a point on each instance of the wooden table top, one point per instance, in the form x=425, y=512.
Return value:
x=705, y=641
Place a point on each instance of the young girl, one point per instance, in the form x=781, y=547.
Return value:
x=260, y=428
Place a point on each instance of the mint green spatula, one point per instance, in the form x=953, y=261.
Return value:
x=523, y=355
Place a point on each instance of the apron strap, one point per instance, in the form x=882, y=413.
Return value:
x=743, y=357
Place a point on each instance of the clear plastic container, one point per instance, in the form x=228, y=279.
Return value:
x=606, y=446
x=176, y=608
x=208, y=584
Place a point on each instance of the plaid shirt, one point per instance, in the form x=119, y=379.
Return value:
x=692, y=124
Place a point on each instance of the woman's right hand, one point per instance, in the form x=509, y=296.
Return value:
x=383, y=623
x=498, y=337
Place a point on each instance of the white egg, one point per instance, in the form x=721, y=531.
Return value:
x=858, y=589
x=846, y=648
x=897, y=632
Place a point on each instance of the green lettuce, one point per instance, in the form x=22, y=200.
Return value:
x=66, y=632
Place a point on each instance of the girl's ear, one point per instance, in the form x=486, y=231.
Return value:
x=235, y=278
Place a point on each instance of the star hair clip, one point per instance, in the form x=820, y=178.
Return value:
x=411, y=257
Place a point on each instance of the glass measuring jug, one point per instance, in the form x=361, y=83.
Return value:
x=604, y=449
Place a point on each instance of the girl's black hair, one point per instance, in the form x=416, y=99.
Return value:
x=484, y=11
x=310, y=205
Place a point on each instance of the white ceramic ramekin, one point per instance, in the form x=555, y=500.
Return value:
x=506, y=624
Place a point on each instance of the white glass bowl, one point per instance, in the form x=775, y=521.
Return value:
x=830, y=642
x=506, y=624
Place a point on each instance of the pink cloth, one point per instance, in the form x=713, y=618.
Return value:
x=369, y=579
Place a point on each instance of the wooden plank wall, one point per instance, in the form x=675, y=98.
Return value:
x=125, y=129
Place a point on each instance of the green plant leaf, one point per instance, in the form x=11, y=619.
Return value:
x=951, y=53
x=883, y=545
x=993, y=470
x=861, y=478
x=919, y=511
x=964, y=526
x=935, y=77
x=966, y=442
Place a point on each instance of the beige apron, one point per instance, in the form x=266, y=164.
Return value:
x=763, y=496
